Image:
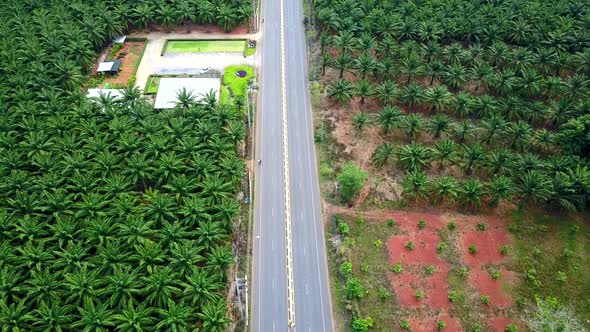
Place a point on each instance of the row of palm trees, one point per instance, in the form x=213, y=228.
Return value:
x=416, y=97
x=113, y=217
x=520, y=82
x=556, y=24
x=490, y=131
x=115, y=213
x=559, y=181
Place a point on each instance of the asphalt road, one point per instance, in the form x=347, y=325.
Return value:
x=311, y=287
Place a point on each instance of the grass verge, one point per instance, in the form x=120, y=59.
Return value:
x=205, y=46
x=364, y=247
x=551, y=252
x=237, y=85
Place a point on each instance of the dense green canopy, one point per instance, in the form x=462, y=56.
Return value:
x=111, y=215
x=509, y=75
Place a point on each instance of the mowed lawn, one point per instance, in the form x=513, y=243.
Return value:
x=205, y=46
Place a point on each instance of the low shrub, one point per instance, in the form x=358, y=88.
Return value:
x=405, y=325
x=344, y=228
x=410, y=245
x=378, y=243
x=346, y=269
x=397, y=268
x=421, y=223
x=440, y=325
x=485, y=299
x=451, y=226
x=390, y=222
x=429, y=270
x=441, y=246
x=473, y=249
x=481, y=227
x=495, y=274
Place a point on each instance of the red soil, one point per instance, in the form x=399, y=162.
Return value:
x=435, y=288
x=424, y=251
x=409, y=221
x=129, y=62
x=489, y=244
x=429, y=324
x=484, y=283
x=498, y=324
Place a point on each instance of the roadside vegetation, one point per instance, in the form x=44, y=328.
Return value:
x=112, y=216
x=456, y=106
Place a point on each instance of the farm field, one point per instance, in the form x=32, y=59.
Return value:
x=421, y=116
x=205, y=46
x=113, y=217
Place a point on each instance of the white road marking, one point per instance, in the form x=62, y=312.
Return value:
x=287, y=212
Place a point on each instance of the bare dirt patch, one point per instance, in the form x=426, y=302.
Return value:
x=498, y=324
x=130, y=56
x=489, y=244
x=495, y=289
x=429, y=324
x=424, y=251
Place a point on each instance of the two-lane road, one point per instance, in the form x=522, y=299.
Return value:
x=285, y=37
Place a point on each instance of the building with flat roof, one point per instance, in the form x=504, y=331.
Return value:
x=170, y=86
x=109, y=67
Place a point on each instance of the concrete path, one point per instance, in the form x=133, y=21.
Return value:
x=154, y=63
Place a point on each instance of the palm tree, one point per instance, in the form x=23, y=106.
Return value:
x=470, y=193
x=445, y=152
x=444, y=189
x=479, y=73
x=360, y=121
x=363, y=89
x=498, y=189
x=500, y=162
x=186, y=14
x=95, y=318
x=463, y=104
x=343, y=62
x=134, y=318
x=492, y=127
x=434, y=70
x=365, y=64
x=519, y=134
x=412, y=125
x=386, y=92
x=455, y=76
x=123, y=286
x=175, y=317
x=438, y=125
x=438, y=97
x=412, y=94
x=344, y=42
x=384, y=155
x=325, y=61
x=416, y=186
x=411, y=67
x=463, y=131
x=533, y=187
x=166, y=17
x=390, y=118
x=340, y=91
x=414, y=157
x=185, y=99
x=473, y=157
x=213, y=317
x=201, y=287
x=226, y=17
x=161, y=284
x=54, y=317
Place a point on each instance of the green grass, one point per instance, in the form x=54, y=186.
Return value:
x=224, y=97
x=152, y=85
x=205, y=46
x=547, y=245
x=359, y=247
x=237, y=85
x=250, y=51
